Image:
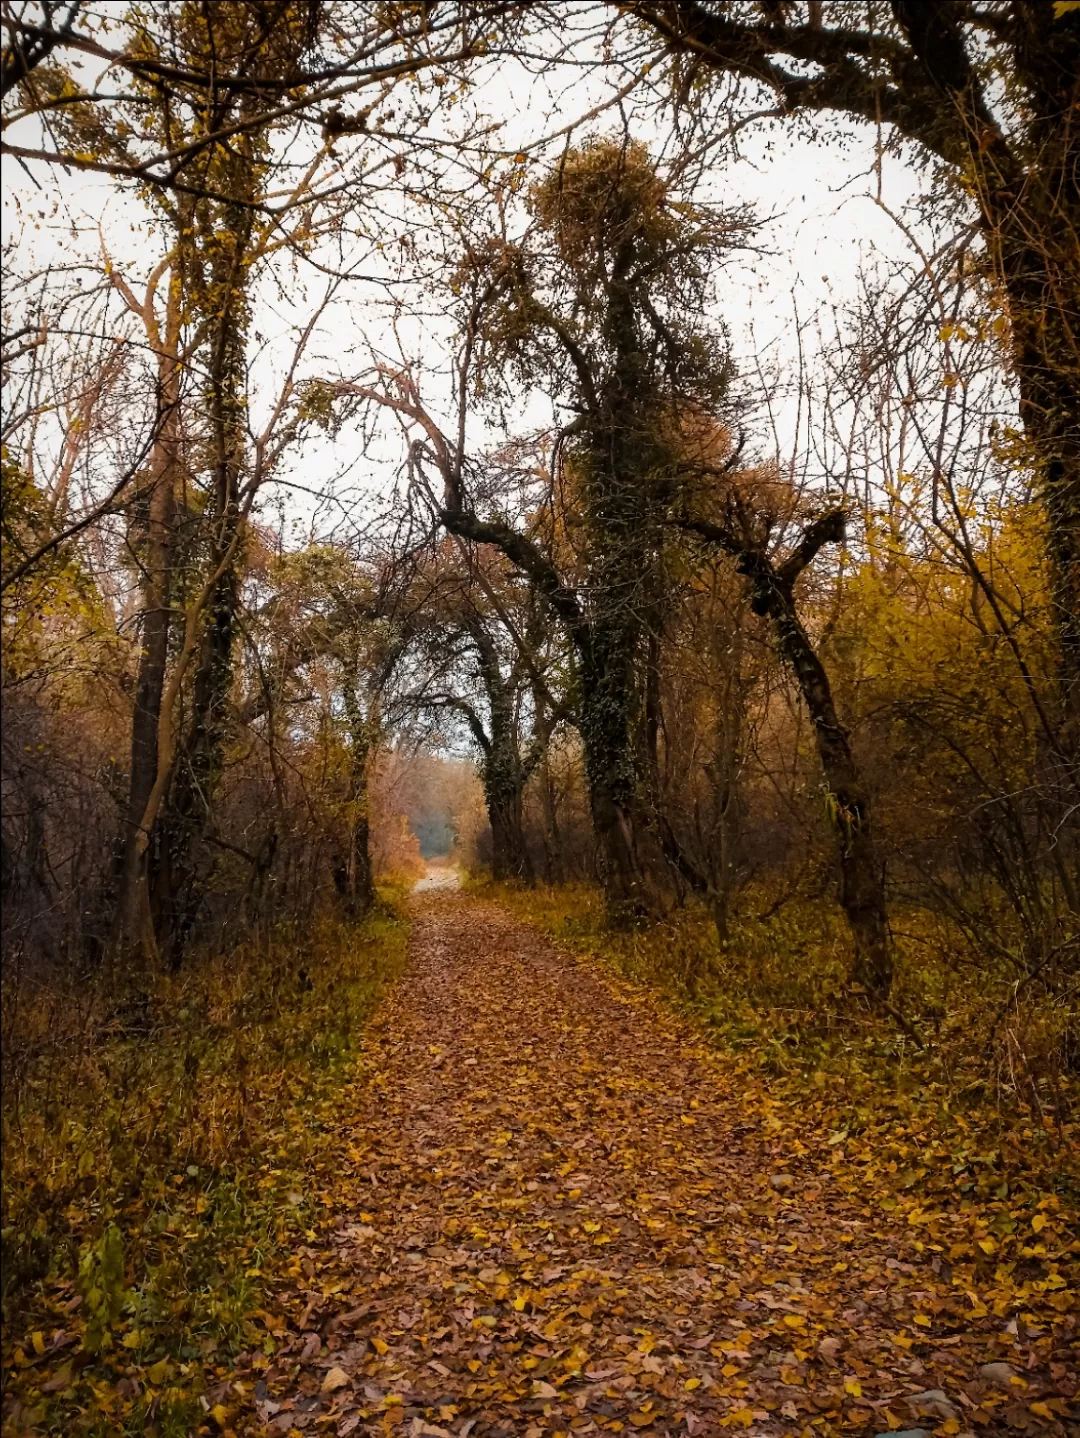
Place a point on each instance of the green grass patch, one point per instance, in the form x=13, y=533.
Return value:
x=159, y=1146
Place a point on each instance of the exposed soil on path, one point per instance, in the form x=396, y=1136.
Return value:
x=557, y=1217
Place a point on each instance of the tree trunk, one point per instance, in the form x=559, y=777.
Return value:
x=361, y=875
x=554, y=869
x=724, y=774
x=178, y=890
x=134, y=925
x=724, y=878
x=509, y=853
x=1050, y=409
x=862, y=882
x=359, y=887
x=606, y=718
x=503, y=794
x=361, y=878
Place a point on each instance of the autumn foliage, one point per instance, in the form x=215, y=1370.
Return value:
x=384, y=485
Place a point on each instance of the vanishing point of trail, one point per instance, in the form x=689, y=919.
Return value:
x=557, y=1216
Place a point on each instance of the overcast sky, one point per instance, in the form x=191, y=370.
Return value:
x=815, y=198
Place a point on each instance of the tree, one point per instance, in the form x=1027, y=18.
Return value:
x=213, y=244
x=323, y=71
x=599, y=308
x=988, y=94
x=744, y=535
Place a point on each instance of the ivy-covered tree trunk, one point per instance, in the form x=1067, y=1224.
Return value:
x=504, y=783
x=134, y=922
x=509, y=852
x=1050, y=408
x=608, y=710
x=188, y=814
x=502, y=770
x=361, y=873
x=359, y=878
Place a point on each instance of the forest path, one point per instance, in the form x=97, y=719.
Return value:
x=557, y=1215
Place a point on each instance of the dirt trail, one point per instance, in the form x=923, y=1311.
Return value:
x=557, y=1218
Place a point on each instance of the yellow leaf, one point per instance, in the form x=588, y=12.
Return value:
x=743, y=1416
x=922, y=1320
x=380, y=1346
x=159, y=1372
x=335, y=1379
x=219, y=1414
x=853, y=1386
x=692, y=1383
x=987, y=1245
x=1038, y=1223
x=38, y=1340
x=519, y=1303
x=794, y=1320
x=132, y=1339
x=1040, y=1410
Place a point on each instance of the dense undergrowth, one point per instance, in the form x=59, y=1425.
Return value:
x=157, y=1145
x=963, y=1118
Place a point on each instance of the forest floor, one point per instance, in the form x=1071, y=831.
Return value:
x=557, y=1210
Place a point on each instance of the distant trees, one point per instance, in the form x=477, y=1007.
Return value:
x=486, y=654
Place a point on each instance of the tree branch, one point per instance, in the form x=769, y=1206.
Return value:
x=830, y=528
x=526, y=555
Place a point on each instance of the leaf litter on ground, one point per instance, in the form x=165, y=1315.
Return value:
x=558, y=1209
